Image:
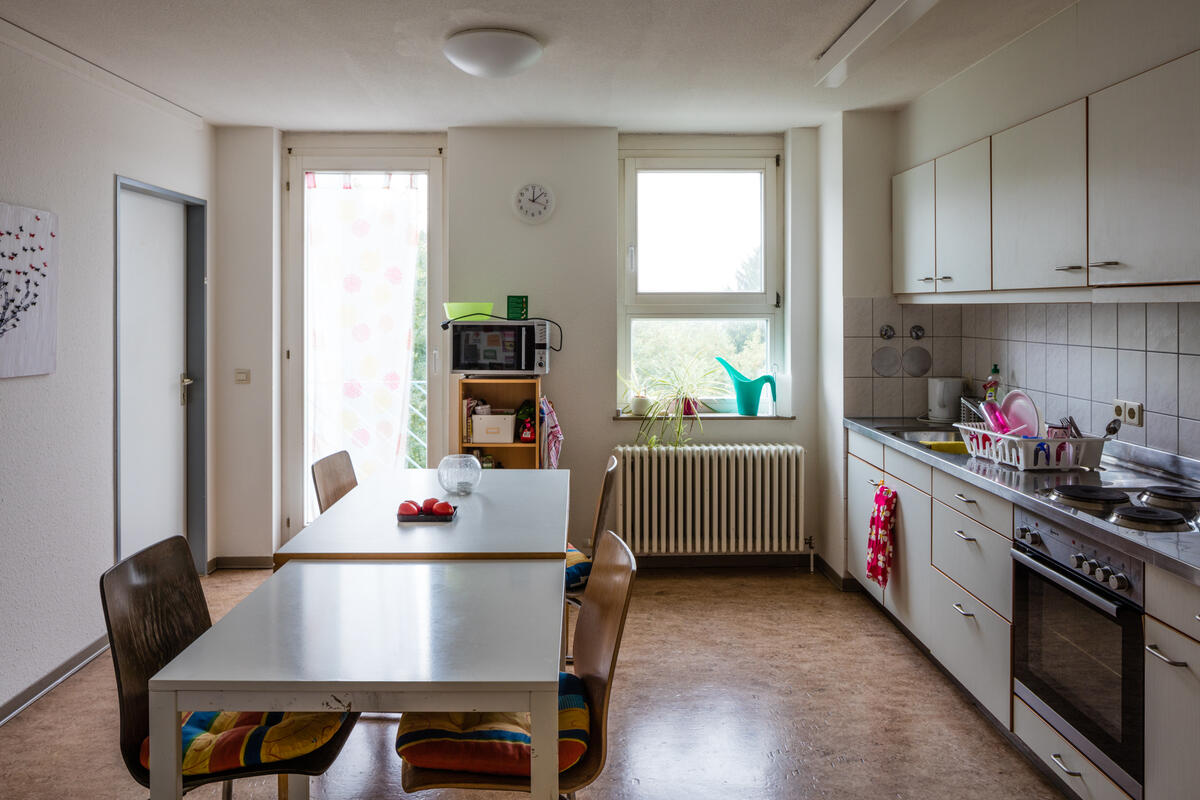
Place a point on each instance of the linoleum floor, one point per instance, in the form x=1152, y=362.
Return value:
x=731, y=685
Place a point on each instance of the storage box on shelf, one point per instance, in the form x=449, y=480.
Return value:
x=499, y=433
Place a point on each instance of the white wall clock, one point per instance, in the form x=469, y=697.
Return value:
x=534, y=203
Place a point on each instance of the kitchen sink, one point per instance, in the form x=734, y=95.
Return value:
x=922, y=433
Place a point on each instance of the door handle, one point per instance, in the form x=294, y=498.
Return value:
x=964, y=498
x=1057, y=759
x=184, y=383
x=959, y=608
x=1071, y=268
x=964, y=536
x=1153, y=650
x=1104, y=264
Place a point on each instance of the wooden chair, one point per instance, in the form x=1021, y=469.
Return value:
x=154, y=608
x=333, y=476
x=574, y=597
x=597, y=643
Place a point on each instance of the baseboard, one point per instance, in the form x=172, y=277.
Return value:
x=842, y=583
x=56, y=676
x=673, y=560
x=240, y=562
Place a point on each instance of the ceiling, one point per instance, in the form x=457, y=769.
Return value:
x=714, y=66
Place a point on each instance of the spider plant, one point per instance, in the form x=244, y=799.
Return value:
x=674, y=403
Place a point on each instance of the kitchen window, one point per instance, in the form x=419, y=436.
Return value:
x=702, y=269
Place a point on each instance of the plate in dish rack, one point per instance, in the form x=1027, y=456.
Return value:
x=1021, y=412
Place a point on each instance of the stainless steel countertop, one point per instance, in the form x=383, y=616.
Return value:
x=1177, y=553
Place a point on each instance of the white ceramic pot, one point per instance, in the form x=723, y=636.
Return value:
x=638, y=406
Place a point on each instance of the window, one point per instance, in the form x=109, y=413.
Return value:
x=702, y=270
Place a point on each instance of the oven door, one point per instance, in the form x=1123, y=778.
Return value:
x=1078, y=662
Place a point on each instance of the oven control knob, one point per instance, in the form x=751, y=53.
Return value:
x=1029, y=535
x=1104, y=573
x=1078, y=560
x=1091, y=566
x=1118, y=581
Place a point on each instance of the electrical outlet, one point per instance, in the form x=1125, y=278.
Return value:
x=1131, y=414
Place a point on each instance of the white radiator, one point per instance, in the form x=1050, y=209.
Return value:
x=742, y=498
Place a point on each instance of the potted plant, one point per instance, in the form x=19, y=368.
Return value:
x=674, y=403
x=639, y=397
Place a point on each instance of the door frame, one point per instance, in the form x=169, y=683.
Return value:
x=294, y=471
x=196, y=336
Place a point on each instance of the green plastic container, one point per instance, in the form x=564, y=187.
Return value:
x=468, y=310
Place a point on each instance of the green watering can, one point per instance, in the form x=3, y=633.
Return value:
x=748, y=391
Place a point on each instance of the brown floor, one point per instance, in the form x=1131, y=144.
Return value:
x=732, y=684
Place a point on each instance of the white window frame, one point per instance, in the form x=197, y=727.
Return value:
x=767, y=304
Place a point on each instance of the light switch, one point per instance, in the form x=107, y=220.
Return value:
x=241, y=376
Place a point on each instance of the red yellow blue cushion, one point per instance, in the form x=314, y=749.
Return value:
x=216, y=741
x=493, y=743
x=579, y=567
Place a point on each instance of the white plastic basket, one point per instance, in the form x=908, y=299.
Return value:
x=1035, y=453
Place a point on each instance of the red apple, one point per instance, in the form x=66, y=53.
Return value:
x=408, y=509
x=443, y=509
x=427, y=506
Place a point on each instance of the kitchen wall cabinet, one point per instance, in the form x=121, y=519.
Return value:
x=1039, y=201
x=1144, y=177
x=908, y=589
x=913, y=265
x=862, y=479
x=1172, y=714
x=963, y=211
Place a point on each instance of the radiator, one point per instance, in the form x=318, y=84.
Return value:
x=743, y=498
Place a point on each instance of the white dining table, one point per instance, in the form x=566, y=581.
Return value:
x=513, y=513
x=387, y=636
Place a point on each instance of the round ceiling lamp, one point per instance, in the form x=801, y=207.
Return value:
x=492, y=52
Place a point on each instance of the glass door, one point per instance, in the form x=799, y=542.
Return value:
x=368, y=381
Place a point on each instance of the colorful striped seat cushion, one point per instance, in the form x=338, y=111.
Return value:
x=579, y=567
x=493, y=743
x=216, y=741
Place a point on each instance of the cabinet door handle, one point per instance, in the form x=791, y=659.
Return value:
x=1071, y=268
x=943, y=278
x=927, y=280
x=1197, y=618
x=964, y=498
x=1152, y=649
x=959, y=608
x=964, y=537
x=1057, y=759
x=1104, y=264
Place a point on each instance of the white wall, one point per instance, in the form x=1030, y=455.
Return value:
x=1090, y=45
x=68, y=129
x=569, y=267
x=244, y=285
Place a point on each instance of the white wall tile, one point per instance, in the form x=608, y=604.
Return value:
x=916, y=396
x=1162, y=327
x=999, y=315
x=1039, y=400
x=1081, y=410
x=1016, y=322
x=983, y=322
x=857, y=314
x=857, y=397
x=1104, y=325
x=1056, y=369
x=1131, y=326
x=1101, y=415
x=983, y=358
x=888, y=397
x=1162, y=383
x=885, y=311
x=917, y=315
x=947, y=320
x=1132, y=435
x=1056, y=407
x=1189, y=438
x=1079, y=323
x=947, y=356
x=1162, y=432
x=1035, y=366
x=1104, y=374
x=856, y=357
x=1035, y=323
x=967, y=366
x=1189, y=328
x=1079, y=372
x=1131, y=375
x=999, y=357
x=1015, y=375
x=1056, y=323
x=1189, y=386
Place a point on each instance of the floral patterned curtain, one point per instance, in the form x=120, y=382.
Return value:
x=365, y=243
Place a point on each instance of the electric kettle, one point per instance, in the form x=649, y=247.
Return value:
x=944, y=394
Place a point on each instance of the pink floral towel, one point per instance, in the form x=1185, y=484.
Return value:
x=879, y=540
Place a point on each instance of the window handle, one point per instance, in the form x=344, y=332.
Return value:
x=631, y=259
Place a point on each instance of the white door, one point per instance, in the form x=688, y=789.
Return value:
x=151, y=357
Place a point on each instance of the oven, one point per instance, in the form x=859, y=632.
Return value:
x=1077, y=655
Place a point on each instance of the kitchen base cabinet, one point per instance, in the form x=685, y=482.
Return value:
x=972, y=642
x=862, y=479
x=907, y=592
x=974, y=556
x=1172, y=713
x=1064, y=760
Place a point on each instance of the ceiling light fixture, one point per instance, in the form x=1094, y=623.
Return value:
x=492, y=52
x=875, y=29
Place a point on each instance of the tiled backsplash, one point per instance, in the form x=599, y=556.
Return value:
x=1072, y=358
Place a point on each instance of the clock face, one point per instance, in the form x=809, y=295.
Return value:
x=534, y=202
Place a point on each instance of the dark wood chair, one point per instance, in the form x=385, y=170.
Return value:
x=597, y=643
x=574, y=597
x=154, y=608
x=333, y=476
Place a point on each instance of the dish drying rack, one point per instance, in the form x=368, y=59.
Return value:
x=1028, y=452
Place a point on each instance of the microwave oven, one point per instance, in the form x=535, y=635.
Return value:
x=500, y=347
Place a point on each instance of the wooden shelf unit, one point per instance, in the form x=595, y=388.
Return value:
x=502, y=393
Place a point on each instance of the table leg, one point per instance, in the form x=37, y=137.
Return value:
x=166, y=769
x=543, y=772
x=297, y=787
